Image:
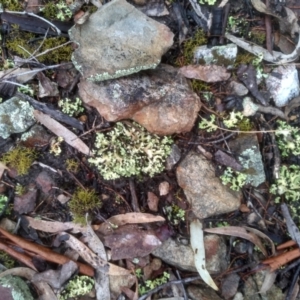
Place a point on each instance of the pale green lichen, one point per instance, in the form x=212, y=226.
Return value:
x=288, y=139
x=79, y=286
x=209, y=2
x=287, y=188
x=71, y=107
x=288, y=183
x=19, y=289
x=129, y=150
x=236, y=179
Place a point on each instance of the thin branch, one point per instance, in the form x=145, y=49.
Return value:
x=35, y=16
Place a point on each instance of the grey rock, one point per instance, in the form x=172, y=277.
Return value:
x=200, y=292
x=205, y=192
x=16, y=116
x=254, y=283
x=249, y=156
x=238, y=88
x=161, y=100
x=118, y=40
x=182, y=256
x=218, y=55
x=173, y=158
x=285, y=88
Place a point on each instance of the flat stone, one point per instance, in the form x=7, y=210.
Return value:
x=284, y=88
x=182, y=256
x=238, y=88
x=201, y=292
x=118, y=40
x=249, y=156
x=161, y=100
x=205, y=192
x=16, y=116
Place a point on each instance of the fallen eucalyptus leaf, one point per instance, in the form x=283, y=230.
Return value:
x=197, y=243
x=239, y=232
x=68, y=136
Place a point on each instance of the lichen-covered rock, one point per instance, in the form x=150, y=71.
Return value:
x=16, y=116
x=284, y=88
x=118, y=40
x=161, y=100
x=249, y=156
x=205, y=192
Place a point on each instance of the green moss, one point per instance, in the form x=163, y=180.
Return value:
x=244, y=58
x=20, y=158
x=83, y=201
x=13, y=5
x=245, y=125
x=257, y=37
x=50, y=10
x=189, y=46
x=72, y=165
x=18, y=38
x=199, y=86
x=6, y=260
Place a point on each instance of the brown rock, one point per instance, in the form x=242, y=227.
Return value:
x=205, y=192
x=161, y=100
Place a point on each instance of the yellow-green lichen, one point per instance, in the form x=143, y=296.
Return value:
x=83, y=201
x=20, y=158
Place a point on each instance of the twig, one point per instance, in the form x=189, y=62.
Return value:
x=134, y=200
x=181, y=281
x=276, y=58
x=35, y=16
x=54, y=48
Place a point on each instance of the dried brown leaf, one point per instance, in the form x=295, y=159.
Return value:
x=91, y=258
x=239, y=232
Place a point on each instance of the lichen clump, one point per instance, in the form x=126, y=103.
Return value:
x=20, y=158
x=83, y=201
x=287, y=186
x=80, y=285
x=129, y=150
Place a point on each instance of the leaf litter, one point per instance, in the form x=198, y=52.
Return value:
x=132, y=236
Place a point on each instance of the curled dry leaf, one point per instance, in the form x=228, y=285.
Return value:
x=210, y=73
x=197, y=243
x=129, y=218
x=91, y=258
x=56, y=278
x=68, y=136
x=240, y=232
x=55, y=226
